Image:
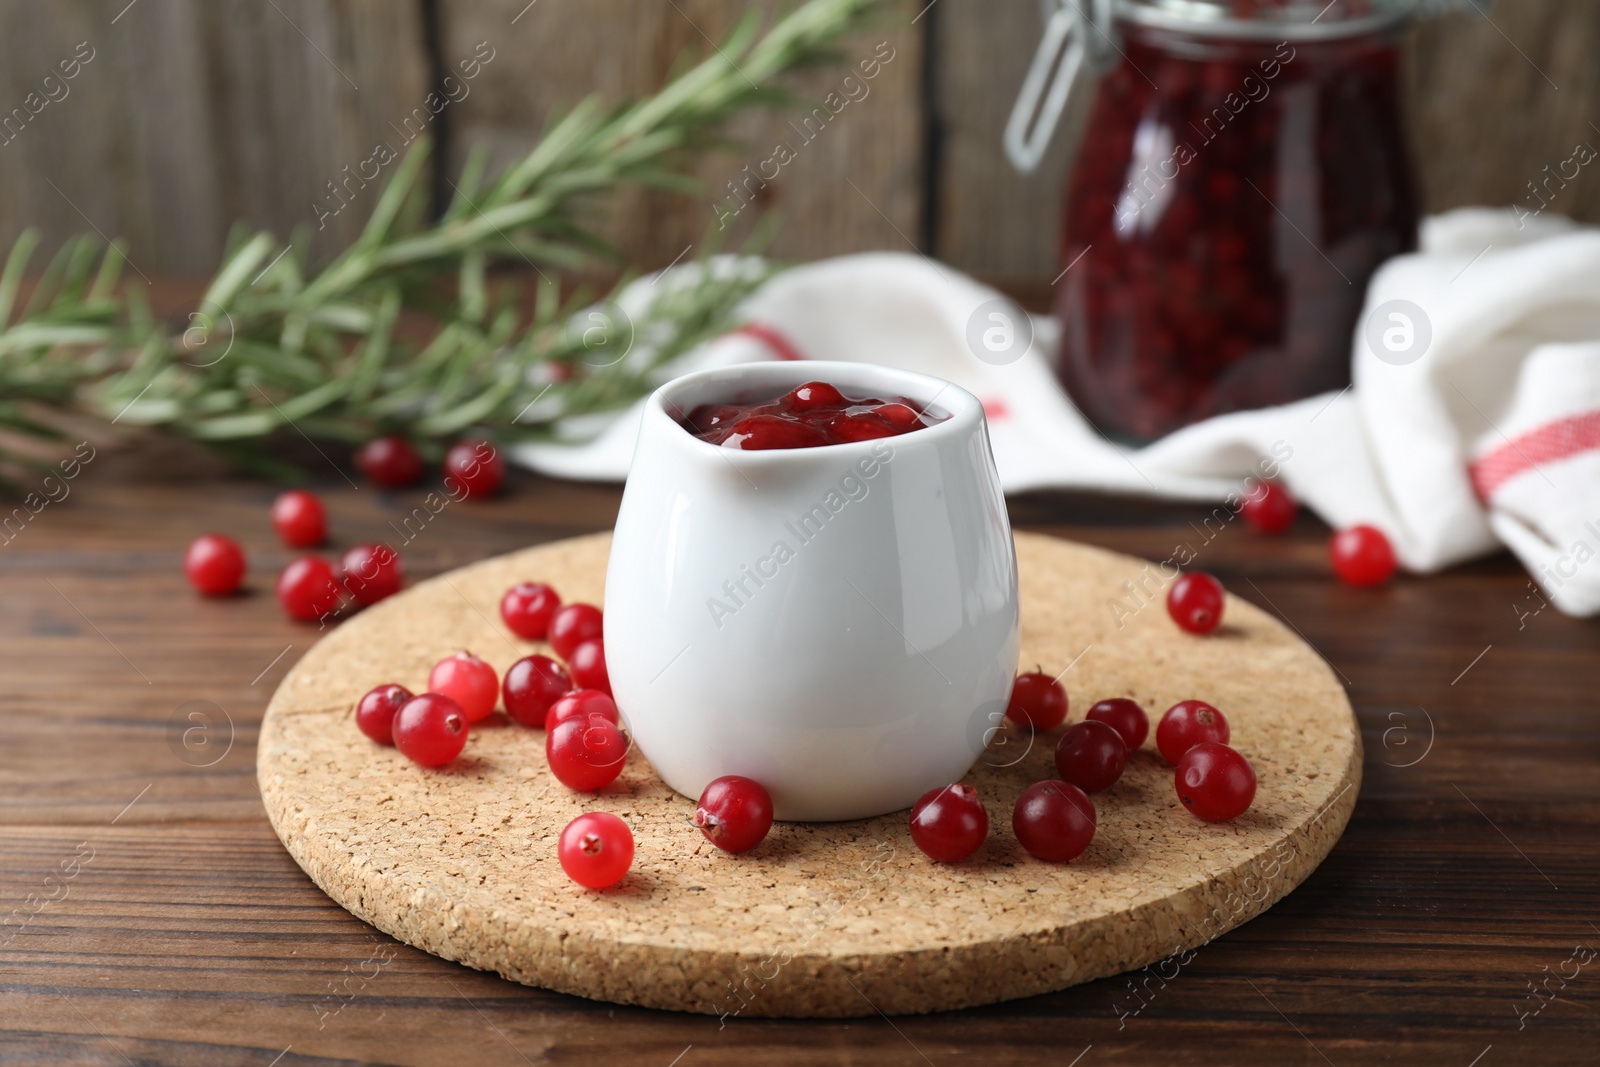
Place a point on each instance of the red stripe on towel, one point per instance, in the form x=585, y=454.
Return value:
x=1551, y=442
x=996, y=408
x=781, y=346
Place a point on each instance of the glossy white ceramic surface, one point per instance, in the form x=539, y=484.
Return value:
x=838, y=623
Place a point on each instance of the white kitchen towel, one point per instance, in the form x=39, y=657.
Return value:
x=1473, y=421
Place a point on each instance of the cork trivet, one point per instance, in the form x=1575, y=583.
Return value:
x=822, y=919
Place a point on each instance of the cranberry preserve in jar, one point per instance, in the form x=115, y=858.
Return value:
x=1243, y=174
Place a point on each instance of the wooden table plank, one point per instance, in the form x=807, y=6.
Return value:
x=191, y=937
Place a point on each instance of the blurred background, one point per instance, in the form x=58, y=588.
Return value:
x=194, y=113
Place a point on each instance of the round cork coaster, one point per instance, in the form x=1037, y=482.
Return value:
x=821, y=919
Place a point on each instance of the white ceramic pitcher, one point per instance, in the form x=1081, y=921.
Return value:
x=838, y=623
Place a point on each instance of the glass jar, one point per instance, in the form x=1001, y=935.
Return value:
x=1243, y=174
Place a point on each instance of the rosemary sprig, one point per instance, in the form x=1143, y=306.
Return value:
x=417, y=326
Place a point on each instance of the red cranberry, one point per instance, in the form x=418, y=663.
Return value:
x=389, y=462
x=214, y=564
x=527, y=609
x=1195, y=602
x=1215, y=782
x=949, y=823
x=1091, y=756
x=579, y=703
x=813, y=395
x=716, y=416
x=572, y=625
x=376, y=711
x=532, y=685
x=371, y=572
x=306, y=589
x=430, y=729
x=761, y=432
x=588, y=663
x=1186, y=724
x=1037, y=700
x=734, y=813
x=586, y=753
x=1362, y=556
x=813, y=414
x=468, y=681
x=477, y=466
x=1054, y=821
x=858, y=428
x=299, y=519
x=1124, y=716
x=1269, y=508
x=898, y=415
x=596, y=850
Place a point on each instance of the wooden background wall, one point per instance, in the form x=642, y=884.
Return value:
x=193, y=113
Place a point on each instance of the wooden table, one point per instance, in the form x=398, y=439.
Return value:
x=158, y=920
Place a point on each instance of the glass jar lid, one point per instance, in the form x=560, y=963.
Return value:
x=1294, y=20
x=1082, y=34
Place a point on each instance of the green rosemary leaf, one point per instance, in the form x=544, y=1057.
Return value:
x=375, y=349
x=105, y=282
x=433, y=328
x=11, y=278
x=235, y=274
